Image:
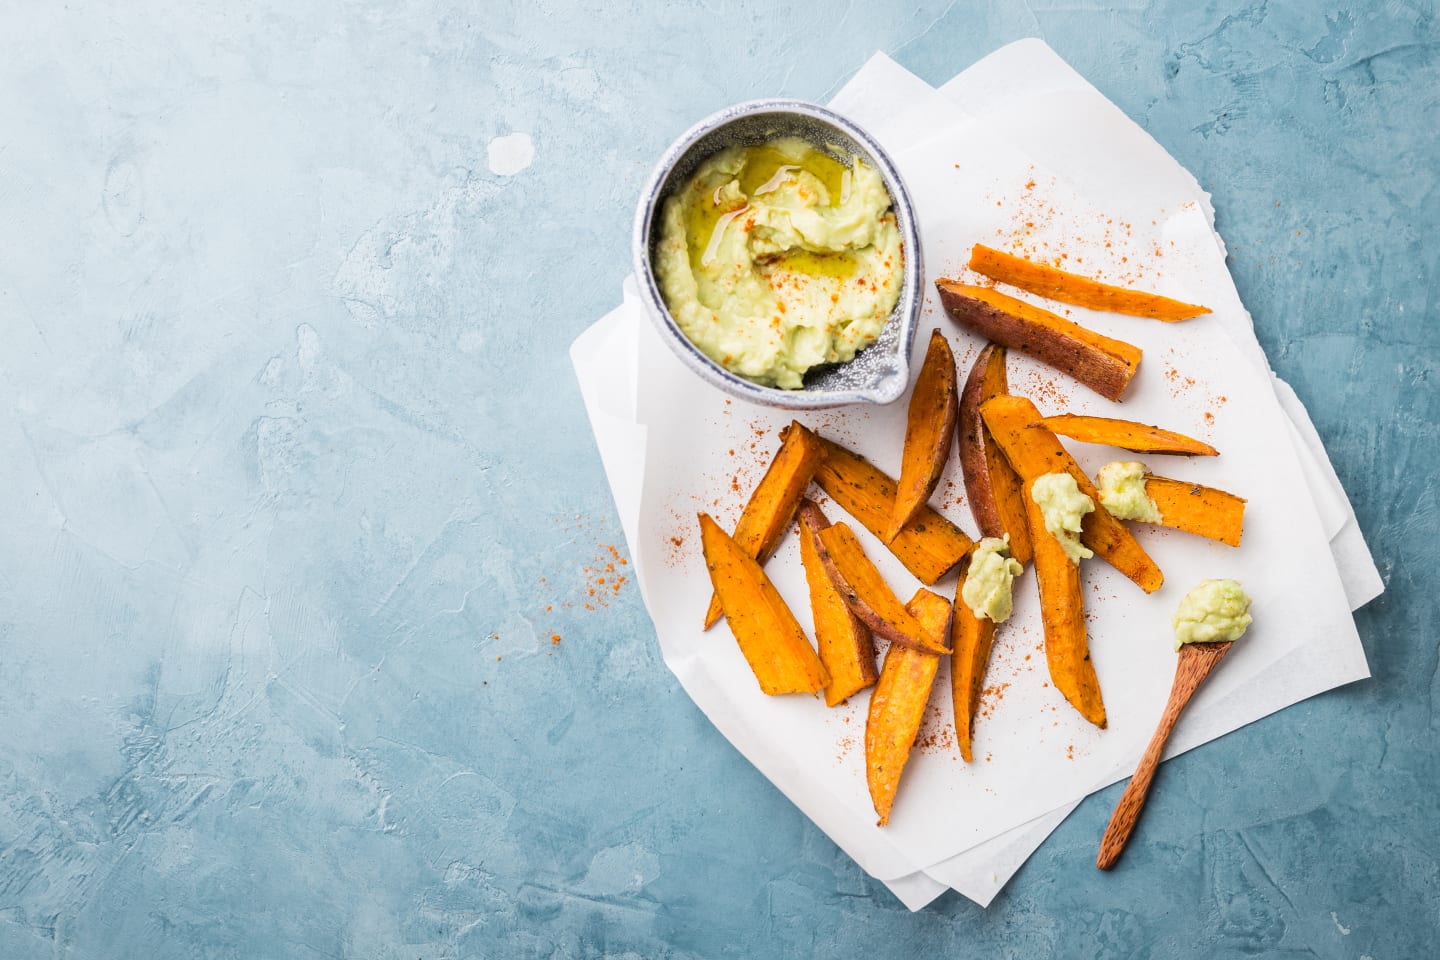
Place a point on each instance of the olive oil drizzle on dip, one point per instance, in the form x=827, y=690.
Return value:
x=779, y=257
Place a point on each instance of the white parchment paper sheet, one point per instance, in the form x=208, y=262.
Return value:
x=977, y=861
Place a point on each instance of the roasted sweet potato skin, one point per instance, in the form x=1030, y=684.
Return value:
x=1062, y=615
x=991, y=486
x=846, y=647
x=772, y=505
x=897, y=705
x=1204, y=511
x=1034, y=451
x=772, y=640
x=868, y=595
x=1103, y=364
x=1127, y=435
x=1055, y=284
x=971, y=638
x=929, y=546
x=929, y=429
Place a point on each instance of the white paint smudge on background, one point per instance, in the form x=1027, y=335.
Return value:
x=510, y=154
x=621, y=869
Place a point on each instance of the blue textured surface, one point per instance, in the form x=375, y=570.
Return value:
x=299, y=488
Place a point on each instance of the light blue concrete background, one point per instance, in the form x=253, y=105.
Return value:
x=298, y=488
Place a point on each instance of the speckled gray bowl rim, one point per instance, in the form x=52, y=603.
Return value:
x=890, y=380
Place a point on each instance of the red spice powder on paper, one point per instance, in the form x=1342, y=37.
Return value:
x=937, y=733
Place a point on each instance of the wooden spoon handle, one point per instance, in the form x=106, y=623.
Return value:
x=1195, y=663
x=1132, y=801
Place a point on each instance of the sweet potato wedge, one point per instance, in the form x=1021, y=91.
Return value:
x=929, y=546
x=1126, y=434
x=868, y=595
x=971, y=638
x=897, y=705
x=1034, y=451
x=1101, y=363
x=1062, y=615
x=846, y=647
x=929, y=431
x=1205, y=511
x=769, y=636
x=1056, y=284
x=772, y=504
x=991, y=485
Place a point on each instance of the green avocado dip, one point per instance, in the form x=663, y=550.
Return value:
x=777, y=258
x=1216, y=610
x=1122, y=491
x=1063, y=507
x=989, y=582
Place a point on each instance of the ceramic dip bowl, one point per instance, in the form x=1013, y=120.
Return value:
x=877, y=374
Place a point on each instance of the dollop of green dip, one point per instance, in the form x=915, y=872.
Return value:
x=989, y=583
x=1064, y=508
x=1215, y=610
x=1122, y=491
x=778, y=257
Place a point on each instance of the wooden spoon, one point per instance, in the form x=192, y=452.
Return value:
x=1195, y=663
